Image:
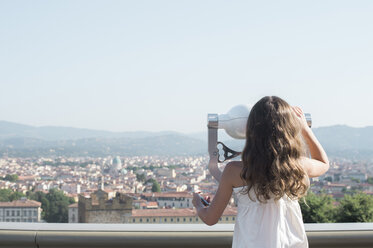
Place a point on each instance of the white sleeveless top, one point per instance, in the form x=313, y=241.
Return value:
x=268, y=225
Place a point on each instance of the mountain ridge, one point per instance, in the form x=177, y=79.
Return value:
x=24, y=140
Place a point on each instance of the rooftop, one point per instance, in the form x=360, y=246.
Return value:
x=74, y=205
x=169, y=194
x=21, y=203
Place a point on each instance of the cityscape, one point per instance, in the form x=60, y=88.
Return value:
x=139, y=189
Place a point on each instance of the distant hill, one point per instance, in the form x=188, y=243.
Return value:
x=23, y=140
x=52, y=133
x=171, y=145
x=345, y=141
x=345, y=138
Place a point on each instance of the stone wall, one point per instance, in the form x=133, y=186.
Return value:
x=99, y=209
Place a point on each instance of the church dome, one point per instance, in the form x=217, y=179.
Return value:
x=116, y=161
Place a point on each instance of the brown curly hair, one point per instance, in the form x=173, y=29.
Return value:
x=273, y=148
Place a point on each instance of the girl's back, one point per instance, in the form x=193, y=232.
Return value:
x=271, y=224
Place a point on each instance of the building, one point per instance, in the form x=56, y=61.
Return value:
x=71, y=188
x=170, y=199
x=73, y=213
x=99, y=209
x=23, y=210
x=166, y=172
x=144, y=204
x=362, y=177
x=116, y=167
x=176, y=216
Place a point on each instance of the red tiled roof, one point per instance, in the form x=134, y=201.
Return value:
x=169, y=194
x=24, y=178
x=152, y=204
x=21, y=203
x=188, y=212
x=149, y=204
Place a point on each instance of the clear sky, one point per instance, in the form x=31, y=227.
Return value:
x=163, y=65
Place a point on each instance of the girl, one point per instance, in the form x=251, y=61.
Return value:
x=271, y=177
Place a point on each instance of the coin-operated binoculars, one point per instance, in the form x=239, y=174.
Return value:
x=234, y=124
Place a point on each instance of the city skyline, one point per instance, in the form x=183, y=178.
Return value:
x=156, y=66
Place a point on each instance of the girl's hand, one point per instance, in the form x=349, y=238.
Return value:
x=302, y=119
x=197, y=201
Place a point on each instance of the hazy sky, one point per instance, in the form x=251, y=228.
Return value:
x=163, y=65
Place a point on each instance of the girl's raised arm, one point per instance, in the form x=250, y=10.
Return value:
x=318, y=164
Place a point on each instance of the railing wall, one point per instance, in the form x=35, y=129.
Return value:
x=41, y=235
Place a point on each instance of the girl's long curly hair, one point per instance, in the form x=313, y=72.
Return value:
x=272, y=151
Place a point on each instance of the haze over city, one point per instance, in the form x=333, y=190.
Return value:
x=163, y=65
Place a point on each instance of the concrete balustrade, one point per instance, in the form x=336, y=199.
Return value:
x=45, y=235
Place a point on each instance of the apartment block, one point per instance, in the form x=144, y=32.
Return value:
x=23, y=210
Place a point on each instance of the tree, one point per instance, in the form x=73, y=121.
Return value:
x=329, y=179
x=156, y=187
x=57, y=211
x=370, y=180
x=140, y=177
x=54, y=204
x=150, y=180
x=16, y=196
x=11, y=177
x=7, y=195
x=355, y=208
x=40, y=197
x=317, y=209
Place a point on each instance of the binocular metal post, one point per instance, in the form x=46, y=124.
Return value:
x=212, y=137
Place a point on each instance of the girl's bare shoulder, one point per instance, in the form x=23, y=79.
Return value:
x=234, y=169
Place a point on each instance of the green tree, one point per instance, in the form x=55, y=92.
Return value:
x=54, y=204
x=57, y=211
x=150, y=180
x=11, y=177
x=355, y=208
x=317, y=208
x=140, y=177
x=133, y=168
x=329, y=179
x=156, y=187
x=7, y=195
x=40, y=197
x=370, y=180
x=16, y=196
